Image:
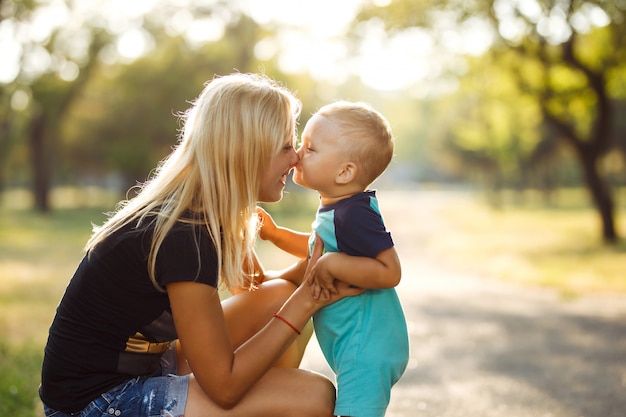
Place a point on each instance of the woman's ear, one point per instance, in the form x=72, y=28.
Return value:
x=347, y=173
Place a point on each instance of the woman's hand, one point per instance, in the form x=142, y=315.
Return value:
x=323, y=286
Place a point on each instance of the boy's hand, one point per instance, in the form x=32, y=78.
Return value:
x=290, y=241
x=267, y=224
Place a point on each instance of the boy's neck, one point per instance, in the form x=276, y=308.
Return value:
x=327, y=200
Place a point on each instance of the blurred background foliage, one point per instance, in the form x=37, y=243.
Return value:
x=536, y=102
x=522, y=100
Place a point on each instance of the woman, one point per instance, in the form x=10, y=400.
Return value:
x=150, y=277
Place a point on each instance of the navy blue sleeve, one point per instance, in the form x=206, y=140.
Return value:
x=360, y=231
x=187, y=254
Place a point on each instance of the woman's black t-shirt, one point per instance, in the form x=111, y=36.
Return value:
x=112, y=324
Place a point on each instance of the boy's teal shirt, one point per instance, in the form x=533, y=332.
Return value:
x=364, y=338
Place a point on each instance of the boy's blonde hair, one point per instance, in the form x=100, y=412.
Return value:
x=370, y=142
x=231, y=132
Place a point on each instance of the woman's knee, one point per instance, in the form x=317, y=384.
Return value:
x=280, y=288
x=287, y=393
x=323, y=391
x=297, y=393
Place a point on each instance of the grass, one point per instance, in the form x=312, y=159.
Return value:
x=558, y=247
x=38, y=254
x=526, y=242
x=19, y=379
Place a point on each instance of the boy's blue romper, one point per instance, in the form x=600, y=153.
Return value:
x=363, y=338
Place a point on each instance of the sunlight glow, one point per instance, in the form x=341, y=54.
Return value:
x=588, y=17
x=325, y=18
x=46, y=19
x=391, y=64
x=133, y=43
x=555, y=27
x=553, y=24
x=311, y=36
x=35, y=62
x=204, y=30
x=313, y=41
x=10, y=51
x=178, y=22
x=473, y=38
x=322, y=58
x=68, y=70
x=20, y=100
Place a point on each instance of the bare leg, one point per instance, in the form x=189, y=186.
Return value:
x=281, y=392
x=262, y=303
x=248, y=311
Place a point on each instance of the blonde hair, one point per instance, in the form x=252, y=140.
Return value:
x=368, y=136
x=233, y=129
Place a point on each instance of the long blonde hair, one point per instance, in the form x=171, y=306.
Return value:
x=233, y=129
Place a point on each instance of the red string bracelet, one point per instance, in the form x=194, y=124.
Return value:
x=287, y=323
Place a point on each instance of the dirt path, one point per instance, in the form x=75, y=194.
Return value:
x=482, y=348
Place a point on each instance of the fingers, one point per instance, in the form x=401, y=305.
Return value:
x=309, y=275
x=316, y=291
x=266, y=226
x=261, y=213
x=327, y=289
x=326, y=294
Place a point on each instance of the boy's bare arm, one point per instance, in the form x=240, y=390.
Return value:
x=291, y=241
x=293, y=273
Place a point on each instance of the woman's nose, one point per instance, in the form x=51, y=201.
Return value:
x=295, y=159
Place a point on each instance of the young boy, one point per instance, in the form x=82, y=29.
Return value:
x=345, y=147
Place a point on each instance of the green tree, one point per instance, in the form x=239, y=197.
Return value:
x=53, y=69
x=60, y=46
x=127, y=122
x=570, y=59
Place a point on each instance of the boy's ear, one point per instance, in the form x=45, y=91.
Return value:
x=347, y=173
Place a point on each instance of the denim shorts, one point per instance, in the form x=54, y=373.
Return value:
x=158, y=396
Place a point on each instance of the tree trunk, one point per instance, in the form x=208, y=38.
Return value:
x=589, y=153
x=41, y=172
x=601, y=195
